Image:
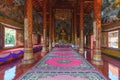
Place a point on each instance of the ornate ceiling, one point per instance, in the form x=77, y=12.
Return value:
x=110, y=11
x=14, y=9
x=65, y=4
x=63, y=14
x=110, y=8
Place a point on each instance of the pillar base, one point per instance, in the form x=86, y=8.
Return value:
x=81, y=51
x=50, y=48
x=28, y=61
x=53, y=44
x=43, y=54
x=97, y=62
x=44, y=49
x=97, y=59
x=75, y=47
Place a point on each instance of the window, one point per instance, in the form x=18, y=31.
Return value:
x=113, y=39
x=10, y=37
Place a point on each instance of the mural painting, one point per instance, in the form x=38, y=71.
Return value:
x=20, y=38
x=37, y=22
x=110, y=11
x=35, y=38
x=12, y=9
x=104, y=39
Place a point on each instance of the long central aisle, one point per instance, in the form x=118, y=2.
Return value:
x=62, y=64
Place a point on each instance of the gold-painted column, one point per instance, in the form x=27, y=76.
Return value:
x=97, y=60
x=44, y=49
x=28, y=45
x=81, y=27
x=75, y=29
x=50, y=29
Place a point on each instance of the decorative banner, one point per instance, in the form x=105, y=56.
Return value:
x=94, y=31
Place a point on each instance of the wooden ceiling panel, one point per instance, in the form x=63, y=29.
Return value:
x=38, y=4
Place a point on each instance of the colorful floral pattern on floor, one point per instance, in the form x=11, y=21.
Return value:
x=62, y=76
x=53, y=63
x=62, y=64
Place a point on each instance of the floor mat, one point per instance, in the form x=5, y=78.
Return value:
x=65, y=63
x=62, y=64
x=62, y=76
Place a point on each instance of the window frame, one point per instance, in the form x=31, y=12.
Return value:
x=108, y=38
x=15, y=37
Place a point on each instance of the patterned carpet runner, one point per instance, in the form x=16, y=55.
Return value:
x=62, y=64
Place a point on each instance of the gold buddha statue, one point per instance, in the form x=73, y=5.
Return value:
x=63, y=34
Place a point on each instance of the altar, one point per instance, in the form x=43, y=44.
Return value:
x=62, y=37
x=63, y=26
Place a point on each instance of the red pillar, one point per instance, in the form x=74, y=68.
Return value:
x=81, y=26
x=97, y=60
x=50, y=29
x=75, y=29
x=53, y=30
x=72, y=22
x=44, y=49
x=28, y=46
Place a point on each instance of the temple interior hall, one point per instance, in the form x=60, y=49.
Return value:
x=59, y=39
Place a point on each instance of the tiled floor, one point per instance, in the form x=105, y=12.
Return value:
x=13, y=70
